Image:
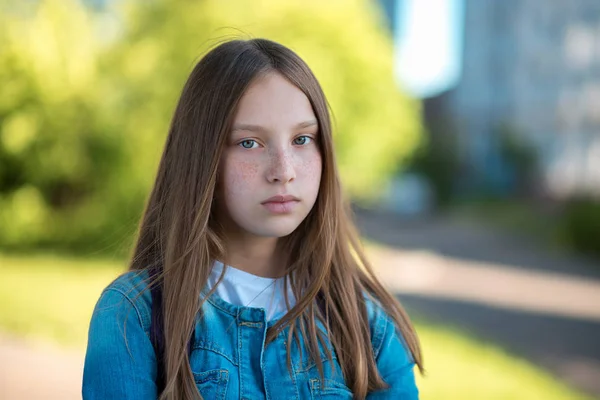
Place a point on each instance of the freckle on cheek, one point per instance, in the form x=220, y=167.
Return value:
x=312, y=168
x=242, y=173
x=248, y=170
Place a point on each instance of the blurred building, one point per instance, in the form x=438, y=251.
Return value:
x=531, y=80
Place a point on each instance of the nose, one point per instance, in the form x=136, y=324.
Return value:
x=281, y=167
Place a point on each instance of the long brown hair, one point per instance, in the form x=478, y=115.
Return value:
x=179, y=233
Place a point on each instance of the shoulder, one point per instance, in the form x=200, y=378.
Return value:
x=378, y=321
x=131, y=284
x=120, y=361
x=392, y=356
x=383, y=329
x=127, y=297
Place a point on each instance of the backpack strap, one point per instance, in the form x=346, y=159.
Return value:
x=157, y=334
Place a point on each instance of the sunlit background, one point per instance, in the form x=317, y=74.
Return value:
x=467, y=134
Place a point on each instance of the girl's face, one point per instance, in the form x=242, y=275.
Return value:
x=271, y=165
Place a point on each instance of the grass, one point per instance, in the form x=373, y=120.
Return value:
x=52, y=298
x=460, y=367
x=513, y=216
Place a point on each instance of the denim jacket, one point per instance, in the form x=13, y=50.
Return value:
x=229, y=358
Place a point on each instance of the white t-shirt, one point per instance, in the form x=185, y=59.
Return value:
x=241, y=288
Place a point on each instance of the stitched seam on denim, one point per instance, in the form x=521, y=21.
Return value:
x=211, y=375
x=262, y=363
x=211, y=346
x=133, y=305
x=214, y=303
x=252, y=324
x=219, y=376
x=131, y=282
x=311, y=364
x=239, y=355
x=308, y=363
x=314, y=387
x=379, y=338
x=226, y=386
x=285, y=343
x=137, y=289
x=329, y=386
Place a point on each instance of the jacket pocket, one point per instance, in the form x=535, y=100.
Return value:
x=212, y=384
x=329, y=389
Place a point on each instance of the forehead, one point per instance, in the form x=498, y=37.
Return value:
x=272, y=100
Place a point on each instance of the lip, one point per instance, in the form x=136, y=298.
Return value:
x=281, y=198
x=281, y=204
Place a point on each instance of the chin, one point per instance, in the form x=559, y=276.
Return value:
x=278, y=233
x=280, y=229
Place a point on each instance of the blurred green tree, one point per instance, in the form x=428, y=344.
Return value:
x=59, y=151
x=88, y=96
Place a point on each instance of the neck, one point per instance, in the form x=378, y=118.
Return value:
x=257, y=255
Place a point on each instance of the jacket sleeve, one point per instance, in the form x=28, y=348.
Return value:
x=120, y=362
x=394, y=363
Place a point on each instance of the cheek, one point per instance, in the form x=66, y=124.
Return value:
x=239, y=175
x=311, y=168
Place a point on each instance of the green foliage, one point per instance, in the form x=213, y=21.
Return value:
x=437, y=160
x=58, y=152
x=520, y=156
x=581, y=224
x=88, y=97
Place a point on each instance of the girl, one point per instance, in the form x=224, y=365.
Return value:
x=248, y=280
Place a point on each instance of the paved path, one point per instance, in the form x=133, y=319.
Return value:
x=36, y=371
x=540, y=304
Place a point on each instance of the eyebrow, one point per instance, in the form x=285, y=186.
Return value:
x=258, y=128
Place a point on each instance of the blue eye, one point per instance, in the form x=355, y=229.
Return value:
x=302, y=140
x=248, y=144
